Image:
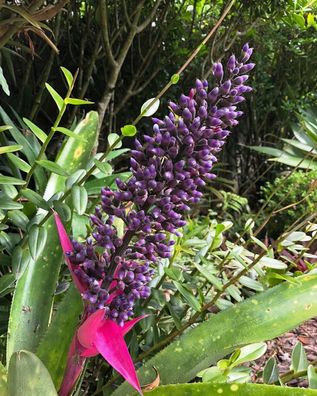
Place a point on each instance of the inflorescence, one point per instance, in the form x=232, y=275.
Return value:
x=169, y=167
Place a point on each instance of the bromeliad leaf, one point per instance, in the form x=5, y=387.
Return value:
x=28, y=376
x=69, y=133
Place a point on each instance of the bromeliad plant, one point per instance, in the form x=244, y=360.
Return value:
x=112, y=272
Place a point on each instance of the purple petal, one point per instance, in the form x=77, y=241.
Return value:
x=111, y=345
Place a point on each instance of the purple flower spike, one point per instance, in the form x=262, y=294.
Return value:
x=169, y=167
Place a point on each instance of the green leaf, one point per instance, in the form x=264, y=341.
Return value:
x=6, y=282
x=262, y=317
x=74, y=153
x=214, y=389
x=35, y=198
x=55, y=343
x=63, y=210
x=75, y=177
x=128, y=130
x=8, y=204
x=37, y=240
x=20, y=260
x=10, y=149
x=188, y=296
x=116, y=153
x=77, y=102
x=5, y=128
x=41, y=135
x=312, y=377
x=113, y=138
x=56, y=97
x=28, y=376
x=3, y=381
x=175, y=78
x=80, y=199
x=299, y=358
x=272, y=263
x=68, y=75
x=18, y=218
x=249, y=353
x=52, y=167
x=69, y=133
x=148, y=109
x=11, y=180
x=271, y=372
x=104, y=167
x=19, y=162
x=3, y=83
x=208, y=275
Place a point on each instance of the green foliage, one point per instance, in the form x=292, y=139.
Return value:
x=259, y=318
x=28, y=376
x=295, y=195
x=229, y=390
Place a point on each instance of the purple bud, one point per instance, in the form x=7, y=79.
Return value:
x=218, y=71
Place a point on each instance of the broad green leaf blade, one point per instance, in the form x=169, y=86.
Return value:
x=35, y=198
x=68, y=75
x=19, y=162
x=28, y=376
x=299, y=358
x=55, y=343
x=10, y=149
x=213, y=389
x=53, y=167
x=11, y=180
x=37, y=240
x=56, y=97
x=263, y=317
x=270, y=372
x=41, y=135
x=312, y=377
x=80, y=199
